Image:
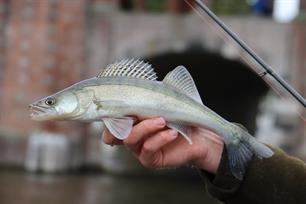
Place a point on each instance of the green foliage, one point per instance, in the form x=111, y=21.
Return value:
x=156, y=5
x=301, y=18
x=231, y=7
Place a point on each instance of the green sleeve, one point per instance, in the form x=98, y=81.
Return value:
x=280, y=179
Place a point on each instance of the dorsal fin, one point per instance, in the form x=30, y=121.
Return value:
x=181, y=79
x=129, y=68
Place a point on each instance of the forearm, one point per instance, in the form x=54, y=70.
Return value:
x=279, y=179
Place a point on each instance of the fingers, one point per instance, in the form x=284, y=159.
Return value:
x=139, y=131
x=156, y=142
x=143, y=129
x=151, y=154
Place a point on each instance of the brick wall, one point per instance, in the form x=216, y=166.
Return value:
x=44, y=54
x=3, y=23
x=303, y=5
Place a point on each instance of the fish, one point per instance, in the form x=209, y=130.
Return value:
x=129, y=88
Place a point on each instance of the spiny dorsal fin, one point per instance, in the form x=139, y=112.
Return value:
x=181, y=79
x=129, y=68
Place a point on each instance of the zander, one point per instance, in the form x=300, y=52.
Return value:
x=129, y=88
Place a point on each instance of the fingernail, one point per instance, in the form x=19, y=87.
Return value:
x=173, y=133
x=159, y=122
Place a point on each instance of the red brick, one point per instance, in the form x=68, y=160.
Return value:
x=46, y=42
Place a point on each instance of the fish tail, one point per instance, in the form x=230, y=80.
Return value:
x=240, y=152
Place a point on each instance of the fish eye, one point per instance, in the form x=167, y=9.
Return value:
x=50, y=101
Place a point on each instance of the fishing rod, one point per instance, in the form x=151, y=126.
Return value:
x=268, y=69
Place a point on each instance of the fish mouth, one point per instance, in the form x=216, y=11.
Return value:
x=39, y=112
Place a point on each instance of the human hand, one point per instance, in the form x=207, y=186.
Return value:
x=156, y=146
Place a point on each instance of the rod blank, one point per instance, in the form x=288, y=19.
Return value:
x=260, y=61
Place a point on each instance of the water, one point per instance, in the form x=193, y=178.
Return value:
x=23, y=188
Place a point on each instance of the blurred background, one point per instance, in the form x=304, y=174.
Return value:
x=47, y=45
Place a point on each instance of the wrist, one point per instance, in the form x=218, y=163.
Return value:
x=209, y=152
x=212, y=160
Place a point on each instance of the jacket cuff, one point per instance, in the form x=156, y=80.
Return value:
x=222, y=185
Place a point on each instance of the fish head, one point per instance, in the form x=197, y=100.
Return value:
x=59, y=106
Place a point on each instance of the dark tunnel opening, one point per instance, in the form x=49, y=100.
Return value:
x=228, y=87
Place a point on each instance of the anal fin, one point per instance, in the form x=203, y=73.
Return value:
x=184, y=130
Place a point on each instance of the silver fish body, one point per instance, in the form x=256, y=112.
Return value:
x=129, y=88
x=118, y=97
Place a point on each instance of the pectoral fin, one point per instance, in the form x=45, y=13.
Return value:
x=119, y=127
x=184, y=130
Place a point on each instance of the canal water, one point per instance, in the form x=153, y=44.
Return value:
x=19, y=187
